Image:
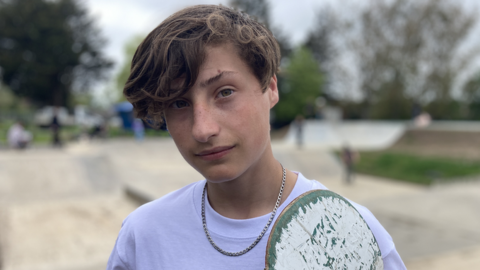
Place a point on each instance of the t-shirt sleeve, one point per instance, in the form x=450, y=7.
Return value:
x=390, y=256
x=115, y=262
x=123, y=252
x=393, y=261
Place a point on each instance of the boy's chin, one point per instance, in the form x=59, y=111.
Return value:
x=219, y=178
x=219, y=175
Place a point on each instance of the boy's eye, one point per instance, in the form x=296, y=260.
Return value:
x=225, y=92
x=178, y=104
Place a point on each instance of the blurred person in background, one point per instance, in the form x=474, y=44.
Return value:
x=422, y=120
x=298, y=124
x=99, y=129
x=18, y=137
x=349, y=157
x=138, y=129
x=55, y=128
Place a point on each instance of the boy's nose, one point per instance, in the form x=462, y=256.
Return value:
x=204, y=124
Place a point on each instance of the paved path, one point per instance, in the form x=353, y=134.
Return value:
x=58, y=210
x=72, y=199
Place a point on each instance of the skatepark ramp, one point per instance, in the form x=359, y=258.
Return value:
x=361, y=135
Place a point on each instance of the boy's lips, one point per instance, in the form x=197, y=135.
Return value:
x=215, y=153
x=214, y=150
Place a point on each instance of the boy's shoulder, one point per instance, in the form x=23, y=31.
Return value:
x=168, y=207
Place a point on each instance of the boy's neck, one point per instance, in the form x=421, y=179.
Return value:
x=254, y=193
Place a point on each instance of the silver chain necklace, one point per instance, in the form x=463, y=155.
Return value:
x=204, y=221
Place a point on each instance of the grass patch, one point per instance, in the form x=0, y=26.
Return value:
x=43, y=136
x=414, y=169
x=40, y=135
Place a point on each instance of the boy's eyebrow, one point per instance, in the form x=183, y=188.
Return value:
x=215, y=78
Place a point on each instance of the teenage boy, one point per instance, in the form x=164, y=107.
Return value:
x=209, y=72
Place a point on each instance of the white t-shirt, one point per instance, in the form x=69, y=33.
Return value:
x=168, y=234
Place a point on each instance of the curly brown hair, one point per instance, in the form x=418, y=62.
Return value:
x=176, y=49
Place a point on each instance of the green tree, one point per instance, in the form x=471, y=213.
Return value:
x=392, y=103
x=7, y=99
x=303, y=82
x=318, y=40
x=49, y=49
x=472, y=92
x=415, y=48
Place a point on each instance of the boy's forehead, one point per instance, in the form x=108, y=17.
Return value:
x=212, y=77
x=221, y=61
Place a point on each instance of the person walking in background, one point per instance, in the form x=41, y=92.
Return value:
x=349, y=157
x=422, y=120
x=138, y=129
x=298, y=125
x=18, y=137
x=55, y=127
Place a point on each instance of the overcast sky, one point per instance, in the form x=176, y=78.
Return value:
x=120, y=20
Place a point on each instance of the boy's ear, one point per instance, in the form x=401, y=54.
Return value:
x=273, y=91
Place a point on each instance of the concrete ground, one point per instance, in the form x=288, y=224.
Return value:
x=62, y=209
x=58, y=209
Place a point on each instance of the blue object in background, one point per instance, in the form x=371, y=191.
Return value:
x=125, y=112
x=138, y=129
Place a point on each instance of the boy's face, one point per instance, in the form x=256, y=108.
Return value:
x=221, y=125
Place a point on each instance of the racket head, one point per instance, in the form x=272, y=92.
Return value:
x=321, y=230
